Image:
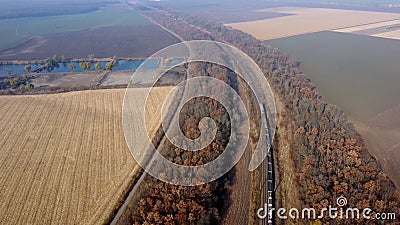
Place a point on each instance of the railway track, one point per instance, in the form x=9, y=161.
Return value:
x=267, y=174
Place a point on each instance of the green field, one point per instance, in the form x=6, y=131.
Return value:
x=16, y=31
x=360, y=74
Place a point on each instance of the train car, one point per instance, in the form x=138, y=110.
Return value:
x=270, y=168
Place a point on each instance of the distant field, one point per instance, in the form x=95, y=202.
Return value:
x=16, y=31
x=389, y=29
x=382, y=136
x=27, y=8
x=123, y=41
x=224, y=11
x=391, y=34
x=63, y=157
x=368, y=26
x=68, y=80
x=309, y=20
x=360, y=74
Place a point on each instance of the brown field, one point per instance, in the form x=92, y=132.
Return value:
x=69, y=80
x=309, y=20
x=63, y=157
x=381, y=134
x=122, y=41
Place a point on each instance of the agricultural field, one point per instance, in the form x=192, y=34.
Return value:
x=112, y=30
x=389, y=29
x=390, y=34
x=309, y=20
x=115, y=78
x=16, y=31
x=349, y=70
x=64, y=159
x=11, y=9
x=382, y=136
x=224, y=11
x=368, y=26
x=135, y=41
x=69, y=80
x=360, y=74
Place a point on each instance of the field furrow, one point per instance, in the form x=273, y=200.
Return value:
x=24, y=152
x=71, y=124
x=63, y=157
x=38, y=179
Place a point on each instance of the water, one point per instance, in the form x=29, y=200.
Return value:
x=64, y=67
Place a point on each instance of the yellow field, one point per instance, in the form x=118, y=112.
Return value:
x=63, y=157
x=391, y=34
x=309, y=20
x=368, y=26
